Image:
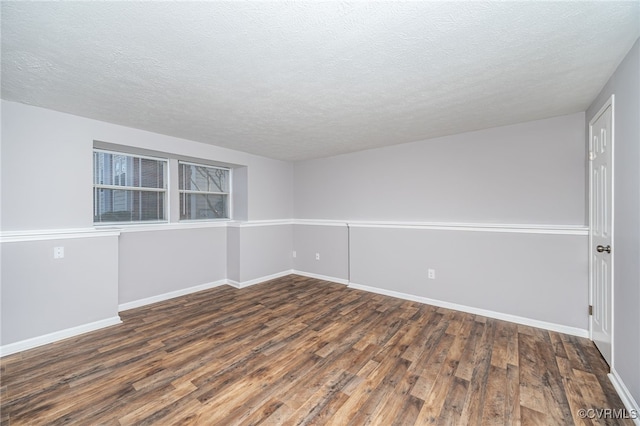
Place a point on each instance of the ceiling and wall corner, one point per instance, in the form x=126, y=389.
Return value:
x=302, y=80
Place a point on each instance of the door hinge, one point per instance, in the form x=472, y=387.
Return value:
x=590, y=309
x=592, y=156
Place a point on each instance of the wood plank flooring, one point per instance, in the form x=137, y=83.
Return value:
x=302, y=351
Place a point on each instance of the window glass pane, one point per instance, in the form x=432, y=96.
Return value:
x=203, y=178
x=125, y=170
x=203, y=206
x=114, y=205
x=151, y=173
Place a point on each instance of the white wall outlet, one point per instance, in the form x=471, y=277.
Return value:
x=295, y=254
x=317, y=256
x=431, y=273
x=58, y=252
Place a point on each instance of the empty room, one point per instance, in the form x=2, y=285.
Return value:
x=320, y=212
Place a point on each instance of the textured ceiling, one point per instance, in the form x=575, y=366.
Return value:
x=299, y=80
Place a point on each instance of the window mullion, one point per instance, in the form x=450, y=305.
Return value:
x=130, y=188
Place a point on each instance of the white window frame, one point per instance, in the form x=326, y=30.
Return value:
x=165, y=189
x=228, y=194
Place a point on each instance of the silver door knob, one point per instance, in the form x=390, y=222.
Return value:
x=600, y=249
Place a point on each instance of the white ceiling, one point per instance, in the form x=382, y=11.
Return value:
x=299, y=80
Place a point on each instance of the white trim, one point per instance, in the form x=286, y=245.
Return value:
x=116, y=228
x=254, y=223
x=193, y=191
x=454, y=226
x=613, y=229
x=170, y=295
x=57, y=234
x=255, y=281
x=128, y=188
x=213, y=223
x=478, y=227
x=23, y=345
x=625, y=395
x=574, y=331
x=320, y=222
x=321, y=277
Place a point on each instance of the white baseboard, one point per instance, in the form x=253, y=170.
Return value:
x=574, y=331
x=259, y=280
x=34, y=342
x=170, y=295
x=321, y=277
x=633, y=409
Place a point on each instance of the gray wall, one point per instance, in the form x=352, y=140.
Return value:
x=154, y=263
x=530, y=174
x=258, y=251
x=46, y=175
x=331, y=242
x=526, y=173
x=42, y=295
x=233, y=253
x=625, y=85
x=57, y=148
x=240, y=186
x=264, y=251
x=536, y=276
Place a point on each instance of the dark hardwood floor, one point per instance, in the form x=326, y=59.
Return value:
x=297, y=350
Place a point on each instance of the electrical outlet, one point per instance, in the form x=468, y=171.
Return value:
x=295, y=254
x=317, y=256
x=58, y=252
x=431, y=273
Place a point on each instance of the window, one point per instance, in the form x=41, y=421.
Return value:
x=140, y=187
x=204, y=192
x=128, y=188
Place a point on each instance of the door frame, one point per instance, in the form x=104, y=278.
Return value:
x=610, y=102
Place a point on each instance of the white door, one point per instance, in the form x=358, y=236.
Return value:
x=601, y=228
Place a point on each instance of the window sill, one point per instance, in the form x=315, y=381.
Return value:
x=163, y=226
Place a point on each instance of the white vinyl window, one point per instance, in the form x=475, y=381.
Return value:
x=128, y=188
x=204, y=192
